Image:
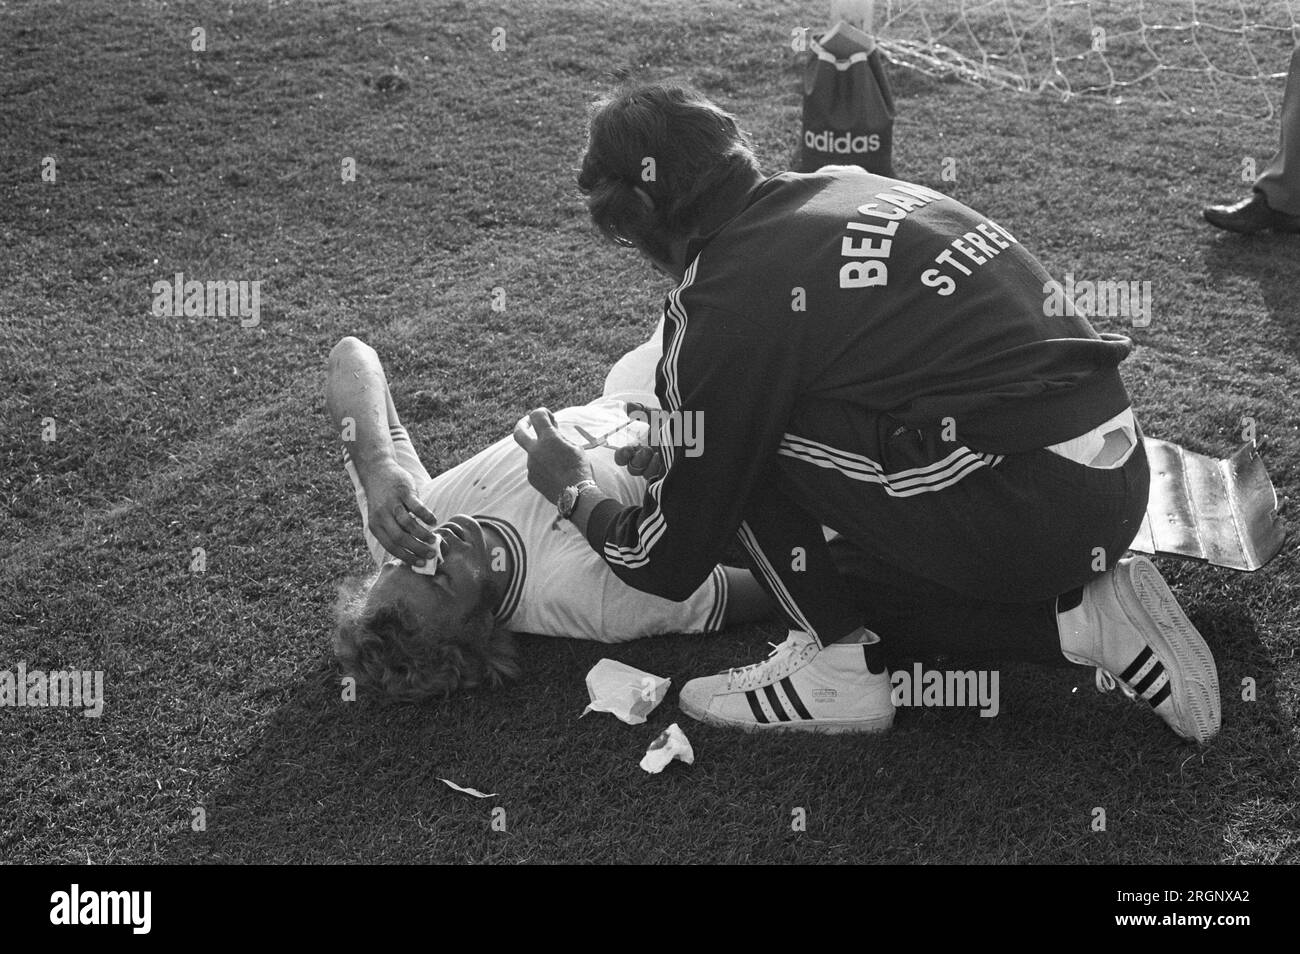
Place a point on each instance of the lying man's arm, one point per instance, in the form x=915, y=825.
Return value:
x=357, y=400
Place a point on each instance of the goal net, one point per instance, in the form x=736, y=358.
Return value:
x=1221, y=55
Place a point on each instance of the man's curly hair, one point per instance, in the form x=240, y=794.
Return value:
x=697, y=148
x=382, y=647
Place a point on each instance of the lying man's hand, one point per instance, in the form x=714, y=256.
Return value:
x=554, y=461
x=394, y=513
x=640, y=460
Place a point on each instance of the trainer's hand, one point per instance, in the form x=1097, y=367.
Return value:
x=640, y=461
x=397, y=518
x=554, y=461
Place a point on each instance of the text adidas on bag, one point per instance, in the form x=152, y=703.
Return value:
x=843, y=143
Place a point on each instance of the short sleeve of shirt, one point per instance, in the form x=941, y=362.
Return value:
x=631, y=614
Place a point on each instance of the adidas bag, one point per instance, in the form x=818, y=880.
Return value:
x=848, y=112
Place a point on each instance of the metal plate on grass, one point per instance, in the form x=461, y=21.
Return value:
x=1221, y=511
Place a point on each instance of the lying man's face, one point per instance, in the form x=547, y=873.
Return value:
x=439, y=602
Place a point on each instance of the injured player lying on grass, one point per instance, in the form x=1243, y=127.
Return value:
x=467, y=557
x=514, y=566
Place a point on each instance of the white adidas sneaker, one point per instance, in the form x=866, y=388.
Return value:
x=1130, y=626
x=798, y=687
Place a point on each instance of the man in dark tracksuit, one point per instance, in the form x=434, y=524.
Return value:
x=874, y=357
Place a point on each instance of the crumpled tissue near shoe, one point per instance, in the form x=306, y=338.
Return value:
x=623, y=691
x=671, y=744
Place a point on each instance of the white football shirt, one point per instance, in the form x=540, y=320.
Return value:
x=561, y=587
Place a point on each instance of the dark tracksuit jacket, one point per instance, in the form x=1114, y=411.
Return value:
x=845, y=287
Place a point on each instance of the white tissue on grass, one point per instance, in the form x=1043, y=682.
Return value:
x=623, y=691
x=468, y=791
x=671, y=744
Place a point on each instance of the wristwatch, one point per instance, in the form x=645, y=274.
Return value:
x=570, y=495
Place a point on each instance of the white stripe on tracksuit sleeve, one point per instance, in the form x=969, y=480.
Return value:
x=738, y=381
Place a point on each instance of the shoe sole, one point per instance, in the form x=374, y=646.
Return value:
x=1194, y=679
x=822, y=726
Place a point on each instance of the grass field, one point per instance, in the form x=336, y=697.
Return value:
x=176, y=433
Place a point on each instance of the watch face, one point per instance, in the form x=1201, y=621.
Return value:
x=567, y=500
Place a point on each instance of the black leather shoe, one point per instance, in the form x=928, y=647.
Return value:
x=1251, y=215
